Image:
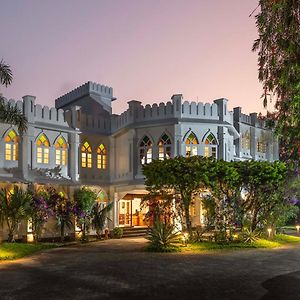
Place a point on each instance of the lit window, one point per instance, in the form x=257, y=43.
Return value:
x=191, y=148
x=246, y=140
x=86, y=155
x=61, y=152
x=164, y=147
x=145, y=151
x=101, y=157
x=210, y=148
x=42, y=150
x=11, y=146
x=261, y=145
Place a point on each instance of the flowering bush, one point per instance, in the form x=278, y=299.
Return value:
x=63, y=209
x=39, y=212
x=85, y=200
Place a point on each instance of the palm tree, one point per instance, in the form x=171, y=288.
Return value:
x=14, y=207
x=10, y=113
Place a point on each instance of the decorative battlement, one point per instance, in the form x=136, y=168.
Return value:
x=84, y=90
x=37, y=113
x=162, y=111
x=248, y=119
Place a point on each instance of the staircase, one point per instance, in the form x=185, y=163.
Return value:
x=135, y=231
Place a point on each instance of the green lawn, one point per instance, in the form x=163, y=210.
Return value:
x=279, y=240
x=10, y=251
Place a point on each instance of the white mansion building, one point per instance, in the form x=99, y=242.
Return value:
x=80, y=142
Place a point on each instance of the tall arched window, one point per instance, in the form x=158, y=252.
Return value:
x=164, y=147
x=261, y=144
x=191, y=145
x=210, y=148
x=145, y=151
x=11, y=146
x=86, y=155
x=61, y=151
x=246, y=140
x=42, y=150
x=101, y=157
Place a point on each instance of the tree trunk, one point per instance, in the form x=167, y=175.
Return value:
x=187, y=219
x=62, y=231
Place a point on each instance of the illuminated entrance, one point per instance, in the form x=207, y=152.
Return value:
x=130, y=211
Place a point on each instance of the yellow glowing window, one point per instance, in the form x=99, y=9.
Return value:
x=191, y=143
x=101, y=157
x=11, y=146
x=86, y=155
x=61, y=152
x=206, y=151
x=42, y=150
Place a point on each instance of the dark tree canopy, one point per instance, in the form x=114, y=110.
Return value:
x=278, y=47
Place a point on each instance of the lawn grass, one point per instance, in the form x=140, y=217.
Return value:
x=277, y=241
x=10, y=251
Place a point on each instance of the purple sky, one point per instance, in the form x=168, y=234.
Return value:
x=146, y=50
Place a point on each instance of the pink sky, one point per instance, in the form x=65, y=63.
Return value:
x=146, y=50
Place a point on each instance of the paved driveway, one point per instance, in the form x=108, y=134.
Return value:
x=118, y=269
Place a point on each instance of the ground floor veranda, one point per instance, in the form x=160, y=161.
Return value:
x=127, y=210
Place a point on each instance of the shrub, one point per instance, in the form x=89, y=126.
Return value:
x=117, y=232
x=162, y=236
x=249, y=237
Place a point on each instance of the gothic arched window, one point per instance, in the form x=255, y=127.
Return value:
x=246, y=140
x=191, y=145
x=101, y=157
x=11, y=146
x=145, y=151
x=86, y=155
x=164, y=147
x=42, y=150
x=210, y=148
x=61, y=151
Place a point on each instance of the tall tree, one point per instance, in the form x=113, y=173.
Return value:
x=278, y=47
x=10, y=113
x=179, y=178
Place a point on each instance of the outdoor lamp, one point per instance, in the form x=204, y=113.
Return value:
x=298, y=227
x=269, y=232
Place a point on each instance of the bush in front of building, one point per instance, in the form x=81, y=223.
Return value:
x=117, y=232
x=162, y=237
x=85, y=200
x=14, y=207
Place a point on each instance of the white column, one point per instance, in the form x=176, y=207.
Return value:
x=116, y=210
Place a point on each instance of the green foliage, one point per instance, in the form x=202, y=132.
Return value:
x=14, y=207
x=9, y=251
x=10, y=113
x=117, y=232
x=248, y=236
x=85, y=200
x=278, y=48
x=179, y=178
x=162, y=236
x=62, y=208
x=99, y=217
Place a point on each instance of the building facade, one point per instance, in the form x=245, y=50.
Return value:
x=81, y=143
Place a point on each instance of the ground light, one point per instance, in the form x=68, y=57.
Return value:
x=298, y=227
x=185, y=237
x=269, y=232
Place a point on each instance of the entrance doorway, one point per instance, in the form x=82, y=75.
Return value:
x=125, y=212
x=130, y=211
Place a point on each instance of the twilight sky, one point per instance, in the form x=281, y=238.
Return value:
x=146, y=50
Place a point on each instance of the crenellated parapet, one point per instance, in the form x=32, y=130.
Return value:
x=36, y=113
x=137, y=113
x=87, y=89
